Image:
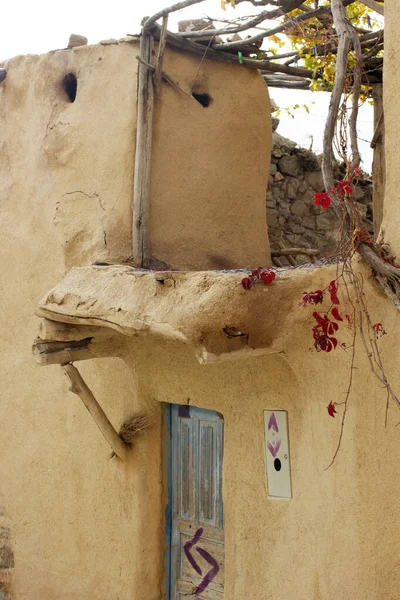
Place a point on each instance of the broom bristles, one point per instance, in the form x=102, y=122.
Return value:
x=134, y=425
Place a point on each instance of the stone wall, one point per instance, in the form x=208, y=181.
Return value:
x=292, y=217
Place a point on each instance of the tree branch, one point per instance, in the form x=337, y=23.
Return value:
x=374, y=6
x=263, y=34
x=181, y=43
x=263, y=16
x=169, y=9
x=339, y=17
x=319, y=12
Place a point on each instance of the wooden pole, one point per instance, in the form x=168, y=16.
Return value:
x=160, y=57
x=79, y=387
x=141, y=184
x=378, y=163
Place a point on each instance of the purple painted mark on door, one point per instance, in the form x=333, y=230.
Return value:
x=212, y=573
x=189, y=545
x=272, y=424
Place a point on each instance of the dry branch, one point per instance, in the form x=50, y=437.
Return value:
x=374, y=6
x=164, y=76
x=160, y=55
x=169, y=9
x=181, y=43
x=265, y=15
x=321, y=11
x=79, y=387
x=344, y=36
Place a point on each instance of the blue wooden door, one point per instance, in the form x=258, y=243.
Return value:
x=197, y=528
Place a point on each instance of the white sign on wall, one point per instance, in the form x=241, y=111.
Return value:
x=277, y=453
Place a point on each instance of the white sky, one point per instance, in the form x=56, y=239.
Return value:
x=34, y=27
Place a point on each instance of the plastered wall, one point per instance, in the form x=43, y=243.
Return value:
x=210, y=167
x=82, y=525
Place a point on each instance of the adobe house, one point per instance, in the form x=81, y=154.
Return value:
x=208, y=502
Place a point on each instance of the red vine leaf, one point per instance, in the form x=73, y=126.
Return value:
x=267, y=276
x=344, y=188
x=322, y=199
x=312, y=297
x=335, y=314
x=349, y=321
x=333, y=291
x=331, y=409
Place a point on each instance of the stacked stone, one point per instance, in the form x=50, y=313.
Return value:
x=6, y=558
x=292, y=217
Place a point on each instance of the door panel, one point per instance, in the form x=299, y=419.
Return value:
x=197, y=534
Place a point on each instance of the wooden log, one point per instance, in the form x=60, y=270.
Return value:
x=294, y=251
x=165, y=76
x=79, y=387
x=141, y=184
x=290, y=258
x=160, y=57
x=51, y=331
x=61, y=353
x=378, y=163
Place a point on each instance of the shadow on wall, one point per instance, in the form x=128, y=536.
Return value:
x=6, y=557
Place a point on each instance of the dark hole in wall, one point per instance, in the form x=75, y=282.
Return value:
x=70, y=85
x=203, y=99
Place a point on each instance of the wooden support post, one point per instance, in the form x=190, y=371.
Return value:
x=141, y=184
x=160, y=57
x=378, y=163
x=79, y=387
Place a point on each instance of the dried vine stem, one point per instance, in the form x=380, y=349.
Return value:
x=349, y=387
x=388, y=275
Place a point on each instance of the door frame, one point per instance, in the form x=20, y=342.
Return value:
x=167, y=495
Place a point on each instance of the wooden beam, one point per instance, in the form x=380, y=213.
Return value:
x=54, y=331
x=378, y=163
x=160, y=56
x=294, y=251
x=141, y=184
x=79, y=387
x=60, y=353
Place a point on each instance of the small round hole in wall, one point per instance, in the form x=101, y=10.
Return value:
x=70, y=85
x=203, y=99
x=277, y=464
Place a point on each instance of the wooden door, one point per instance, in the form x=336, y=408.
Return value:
x=197, y=529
